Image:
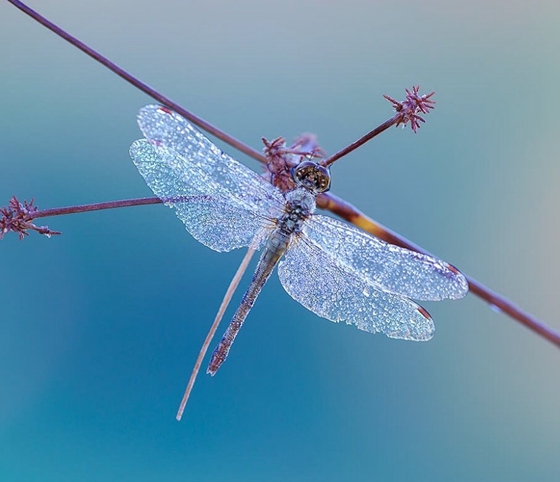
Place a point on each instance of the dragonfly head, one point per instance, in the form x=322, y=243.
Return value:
x=312, y=176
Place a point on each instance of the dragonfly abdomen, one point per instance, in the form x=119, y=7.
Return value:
x=300, y=204
x=275, y=248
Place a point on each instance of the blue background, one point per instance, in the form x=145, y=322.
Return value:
x=99, y=327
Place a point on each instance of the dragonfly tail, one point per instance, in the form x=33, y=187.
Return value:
x=267, y=262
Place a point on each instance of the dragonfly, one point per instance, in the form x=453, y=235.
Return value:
x=331, y=268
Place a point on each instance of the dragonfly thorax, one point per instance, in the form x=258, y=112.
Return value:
x=300, y=204
x=312, y=176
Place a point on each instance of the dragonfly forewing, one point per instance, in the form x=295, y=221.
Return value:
x=163, y=127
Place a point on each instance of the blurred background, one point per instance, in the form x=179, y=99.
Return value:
x=99, y=327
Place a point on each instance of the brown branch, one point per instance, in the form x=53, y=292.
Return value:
x=232, y=141
x=407, y=112
x=345, y=210
x=84, y=208
x=351, y=214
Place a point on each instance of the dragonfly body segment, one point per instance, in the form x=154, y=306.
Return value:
x=300, y=204
x=332, y=268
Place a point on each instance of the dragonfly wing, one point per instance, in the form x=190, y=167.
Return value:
x=216, y=214
x=164, y=128
x=388, y=267
x=332, y=290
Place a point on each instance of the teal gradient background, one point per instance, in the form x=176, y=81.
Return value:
x=99, y=327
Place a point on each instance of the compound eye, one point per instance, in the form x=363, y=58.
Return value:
x=312, y=176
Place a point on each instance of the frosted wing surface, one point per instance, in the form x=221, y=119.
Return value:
x=216, y=215
x=386, y=266
x=314, y=278
x=164, y=128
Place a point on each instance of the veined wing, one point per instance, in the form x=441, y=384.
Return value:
x=333, y=290
x=165, y=128
x=385, y=266
x=222, y=203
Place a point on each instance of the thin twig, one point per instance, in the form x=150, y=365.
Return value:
x=362, y=140
x=232, y=141
x=407, y=113
x=348, y=212
x=351, y=214
x=330, y=201
x=84, y=208
x=225, y=302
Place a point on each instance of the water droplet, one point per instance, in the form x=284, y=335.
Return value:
x=495, y=308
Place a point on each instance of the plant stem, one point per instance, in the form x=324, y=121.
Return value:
x=232, y=141
x=362, y=140
x=96, y=207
